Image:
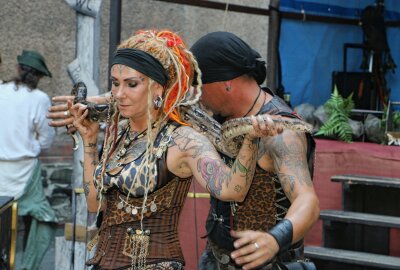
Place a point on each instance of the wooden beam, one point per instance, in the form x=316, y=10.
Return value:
x=266, y=12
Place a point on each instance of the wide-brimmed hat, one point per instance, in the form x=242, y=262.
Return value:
x=34, y=60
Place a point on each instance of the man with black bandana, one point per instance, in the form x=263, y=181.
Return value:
x=266, y=230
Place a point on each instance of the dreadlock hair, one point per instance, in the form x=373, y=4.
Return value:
x=27, y=76
x=181, y=66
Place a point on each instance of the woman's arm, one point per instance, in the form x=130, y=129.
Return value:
x=191, y=153
x=88, y=131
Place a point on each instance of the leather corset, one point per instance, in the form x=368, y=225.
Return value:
x=163, y=225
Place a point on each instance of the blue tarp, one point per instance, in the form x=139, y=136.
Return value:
x=311, y=51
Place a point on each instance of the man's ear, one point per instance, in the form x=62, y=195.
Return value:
x=228, y=85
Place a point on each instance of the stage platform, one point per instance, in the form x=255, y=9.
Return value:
x=332, y=158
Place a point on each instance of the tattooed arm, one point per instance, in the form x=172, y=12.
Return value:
x=288, y=152
x=88, y=131
x=191, y=153
x=285, y=154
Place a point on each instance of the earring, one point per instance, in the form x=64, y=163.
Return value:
x=157, y=102
x=228, y=87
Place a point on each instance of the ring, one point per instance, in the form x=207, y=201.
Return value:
x=66, y=113
x=256, y=245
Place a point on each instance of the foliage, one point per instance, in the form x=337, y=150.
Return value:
x=338, y=110
x=395, y=119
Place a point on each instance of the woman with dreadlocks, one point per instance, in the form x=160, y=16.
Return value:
x=150, y=155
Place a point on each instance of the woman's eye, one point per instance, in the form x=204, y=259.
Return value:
x=115, y=83
x=132, y=85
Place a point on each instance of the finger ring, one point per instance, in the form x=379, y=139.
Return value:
x=66, y=113
x=256, y=245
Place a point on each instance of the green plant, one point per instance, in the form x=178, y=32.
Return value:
x=338, y=110
x=395, y=119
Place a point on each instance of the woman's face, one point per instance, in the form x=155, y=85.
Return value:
x=129, y=88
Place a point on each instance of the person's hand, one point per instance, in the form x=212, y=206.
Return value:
x=87, y=129
x=264, y=126
x=59, y=113
x=253, y=248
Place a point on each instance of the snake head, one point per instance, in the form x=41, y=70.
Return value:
x=97, y=112
x=79, y=90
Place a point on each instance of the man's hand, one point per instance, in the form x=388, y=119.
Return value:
x=253, y=248
x=264, y=126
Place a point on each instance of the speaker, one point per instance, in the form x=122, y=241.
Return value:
x=358, y=83
x=8, y=232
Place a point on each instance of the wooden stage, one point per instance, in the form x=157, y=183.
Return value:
x=333, y=157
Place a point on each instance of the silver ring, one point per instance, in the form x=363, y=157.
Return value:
x=66, y=113
x=256, y=245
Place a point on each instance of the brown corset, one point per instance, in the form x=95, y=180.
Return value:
x=163, y=225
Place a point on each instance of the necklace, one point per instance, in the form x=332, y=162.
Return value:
x=254, y=103
x=128, y=141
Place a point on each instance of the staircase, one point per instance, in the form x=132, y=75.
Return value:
x=358, y=237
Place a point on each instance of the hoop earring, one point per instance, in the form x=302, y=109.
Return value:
x=157, y=102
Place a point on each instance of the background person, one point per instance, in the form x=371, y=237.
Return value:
x=24, y=135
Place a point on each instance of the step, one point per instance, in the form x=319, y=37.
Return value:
x=352, y=257
x=352, y=179
x=361, y=218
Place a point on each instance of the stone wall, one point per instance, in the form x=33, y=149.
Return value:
x=49, y=27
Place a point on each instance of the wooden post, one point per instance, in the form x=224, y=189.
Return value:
x=85, y=68
x=273, y=43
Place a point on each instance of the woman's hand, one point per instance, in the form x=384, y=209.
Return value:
x=87, y=129
x=59, y=114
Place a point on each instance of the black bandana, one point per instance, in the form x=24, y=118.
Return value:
x=223, y=56
x=142, y=62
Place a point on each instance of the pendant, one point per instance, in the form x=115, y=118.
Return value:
x=136, y=246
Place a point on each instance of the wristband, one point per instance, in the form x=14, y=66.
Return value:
x=283, y=234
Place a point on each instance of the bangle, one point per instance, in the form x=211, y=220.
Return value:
x=283, y=234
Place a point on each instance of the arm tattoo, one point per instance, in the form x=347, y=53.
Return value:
x=213, y=173
x=238, y=188
x=287, y=184
x=289, y=152
x=93, y=157
x=187, y=141
x=86, y=188
x=91, y=145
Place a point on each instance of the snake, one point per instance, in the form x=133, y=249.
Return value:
x=227, y=138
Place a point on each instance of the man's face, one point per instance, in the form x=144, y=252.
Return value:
x=213, y=97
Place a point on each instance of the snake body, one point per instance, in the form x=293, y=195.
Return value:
x=228, y=137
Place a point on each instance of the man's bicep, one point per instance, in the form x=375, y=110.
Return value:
x=288, y=152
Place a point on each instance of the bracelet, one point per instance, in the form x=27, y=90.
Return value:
x=91, y=145
x=283, y=234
